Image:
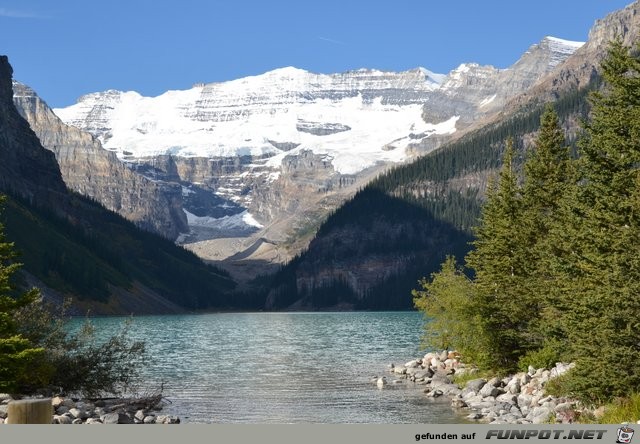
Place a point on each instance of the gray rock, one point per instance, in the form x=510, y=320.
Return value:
x=531, y=370
x=475, y=384
x=507, y=397
x=78, y=414
x=93, y=421
x=3, y=410
x=150, y=419
x=140, y=415
x=475, y=416
x=423, y=374
x=513, y=386
x=495, y=382
x=524, y=400
x=399, y=370
x=116, y=418
x=76, y=421
x=458, y=403
x=411, y=364
x=540, y=415
x=62, y=409
x=489, y=390
x=435, y=393
x=525, y=379
x=69, y=403
x=61, y=419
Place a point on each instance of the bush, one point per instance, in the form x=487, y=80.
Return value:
x=81, y=363
x=545, y=357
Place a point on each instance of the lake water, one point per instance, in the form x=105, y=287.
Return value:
x=285, y=367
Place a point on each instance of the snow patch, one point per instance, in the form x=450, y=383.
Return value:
x=240, y=220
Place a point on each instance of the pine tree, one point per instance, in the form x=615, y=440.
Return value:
x=547, y=177
x=499, y=263
x=598, y=267
x=22, y=364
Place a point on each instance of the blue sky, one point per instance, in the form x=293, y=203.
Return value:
x=66, y=48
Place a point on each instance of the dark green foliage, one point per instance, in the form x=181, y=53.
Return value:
x=372, y=225
x=598, y=254
x=22, y=363
x=86, y=256
x=37, y=353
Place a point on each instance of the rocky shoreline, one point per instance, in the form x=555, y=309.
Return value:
x=142, y=410
x=516, y=399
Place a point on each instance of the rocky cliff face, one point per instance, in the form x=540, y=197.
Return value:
x=579, y=69
x=90, y=170
x=25, y=168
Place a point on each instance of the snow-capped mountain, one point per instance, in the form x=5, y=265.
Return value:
x=350, y=116
x=270, y=154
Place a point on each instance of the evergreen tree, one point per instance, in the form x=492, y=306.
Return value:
x=598, y=265
x=22, y=364
x=499, y=263
x=547, y=178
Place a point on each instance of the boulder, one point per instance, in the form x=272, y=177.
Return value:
x=490, y=390
x=411, y=364
x=507, y=397
x=524, y=400
x=115, y=418
x=540, y=415
x=475, y=384
x=150, y=419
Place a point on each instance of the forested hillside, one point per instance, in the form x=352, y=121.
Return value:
x=433, y=202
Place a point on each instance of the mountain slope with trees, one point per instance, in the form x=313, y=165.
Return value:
x=555, y=261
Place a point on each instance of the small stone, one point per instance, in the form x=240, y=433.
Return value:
x=140, y=414
x=411, y=364
x=531, y=370
x=458, y=404
x=474, y=416
x=61, y=419
x=62, y=409
x=150, y=419
x=78, y=414
x=57, y=401
x=93, y=421
x=3, y=410
x=76, y=421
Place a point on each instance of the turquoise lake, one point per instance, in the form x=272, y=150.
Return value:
x=285, y=367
